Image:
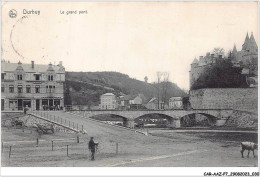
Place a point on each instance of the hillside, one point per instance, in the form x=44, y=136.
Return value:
x=85, y=88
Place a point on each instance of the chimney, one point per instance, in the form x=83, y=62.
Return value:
x=32, y=64
x=60, y=63
x=220, y=56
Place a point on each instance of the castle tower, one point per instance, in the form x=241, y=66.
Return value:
x=252, y=47
x=234, y=52
x=246, y=43
x=193, y=71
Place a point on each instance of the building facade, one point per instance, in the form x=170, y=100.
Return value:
x=131, y=101
x=152, y=104
x=108, y=101
x=32, y=85
x=246, y=58
x=175, y=103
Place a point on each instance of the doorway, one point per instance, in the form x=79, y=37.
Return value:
x=20, y=104
x=37, y=104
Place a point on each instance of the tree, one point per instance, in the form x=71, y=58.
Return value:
x=165, y=87
x=162, y=93
x=145, y=79
x=221, y=75
x=218, y=51
x=159, y=75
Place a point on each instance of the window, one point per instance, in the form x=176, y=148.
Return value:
x=2, y=89
x=37, y=89
x=2, y=76
x=20, y=89
x=50, y=89
x=50, y=77
x=19, y=77
x=28, y=89
x=37, y=77
x=11, y=89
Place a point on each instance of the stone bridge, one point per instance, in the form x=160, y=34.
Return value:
x=173, y=116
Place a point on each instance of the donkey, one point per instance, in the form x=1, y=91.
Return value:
x=250, y=146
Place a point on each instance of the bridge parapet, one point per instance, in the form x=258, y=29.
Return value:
x=174, y=114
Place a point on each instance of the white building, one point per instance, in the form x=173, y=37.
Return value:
x=108, y=101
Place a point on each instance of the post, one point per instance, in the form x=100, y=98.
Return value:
x=77, y=127
x=65, y=121
x=116, y=148
x=52, y=145
x=69, y=123
x=10, y=151
x=82, y=128
x=53, y=118
x=77, y=139
x=37, y=141
x=67, y=150
x=73, y=125
x=61, y=120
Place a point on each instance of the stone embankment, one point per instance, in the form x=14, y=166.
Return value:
x=243, y=119
x=244, y=102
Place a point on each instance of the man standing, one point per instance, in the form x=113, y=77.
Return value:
x=92, y=147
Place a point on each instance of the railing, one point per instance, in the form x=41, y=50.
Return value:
x=59, y=121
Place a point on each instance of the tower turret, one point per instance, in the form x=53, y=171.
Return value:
x=246, y=43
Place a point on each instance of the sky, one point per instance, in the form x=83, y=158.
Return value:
x=134, y=38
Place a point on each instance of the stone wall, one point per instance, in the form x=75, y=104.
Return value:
x=244, y=99
x=243, y=119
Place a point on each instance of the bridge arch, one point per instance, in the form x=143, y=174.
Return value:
x=116, y=118
x=157, y=118
x=194, y=119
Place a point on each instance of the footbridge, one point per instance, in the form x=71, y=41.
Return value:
x=219, y=115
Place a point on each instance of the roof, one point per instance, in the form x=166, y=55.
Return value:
x=195, y=61
x=175, y=99
x=128, y=97
x=152, y=100
x=245, y=45
x=38, y=68
x=108, y=94
x=132, y=97
x=234, y=49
